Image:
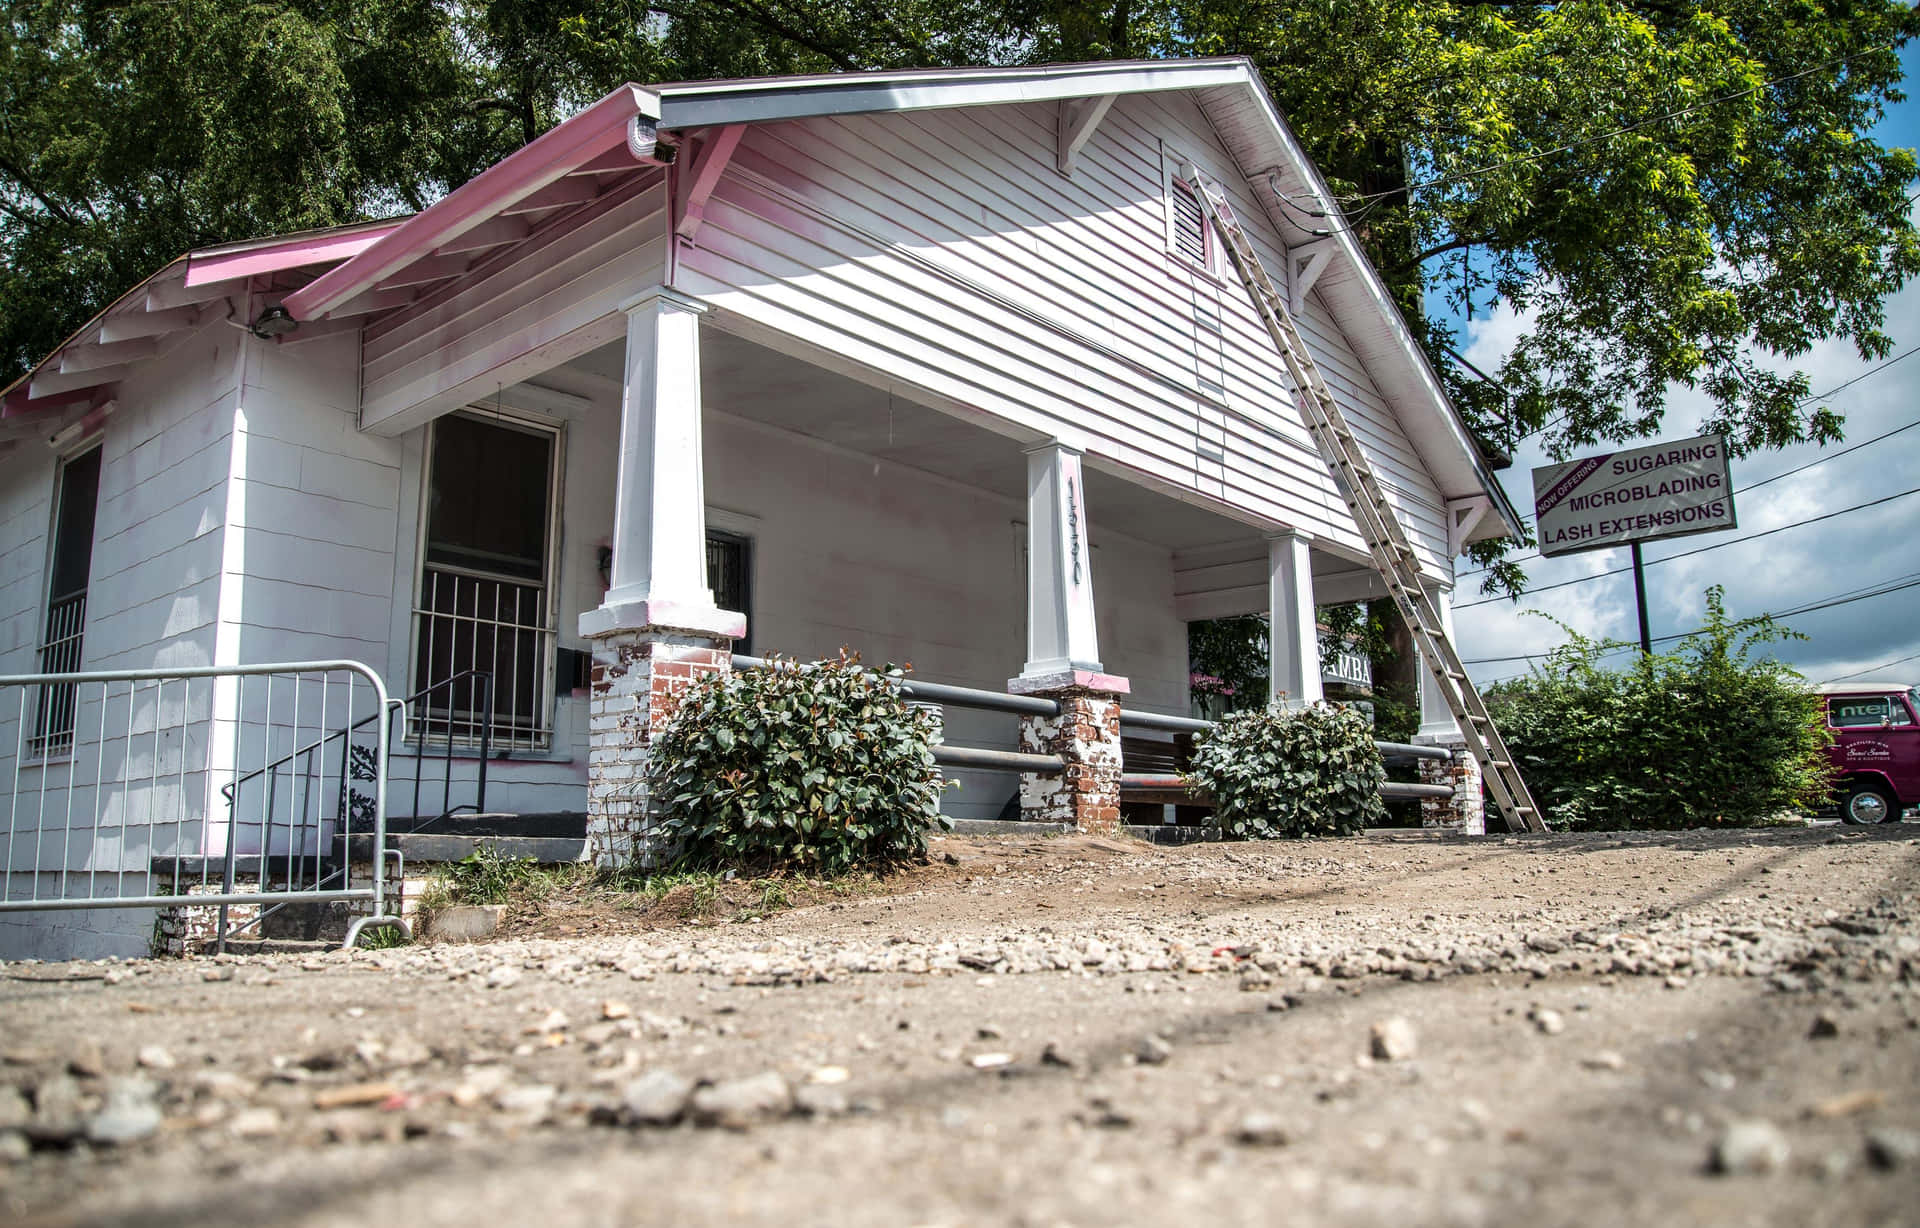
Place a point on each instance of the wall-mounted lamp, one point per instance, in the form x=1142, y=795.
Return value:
x=274, y=322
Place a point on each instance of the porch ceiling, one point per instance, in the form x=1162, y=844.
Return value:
x=747, y=380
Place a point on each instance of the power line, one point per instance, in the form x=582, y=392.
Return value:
x=1822, y=459
x=1911, y=580
x=1886, y=664
x=1547, y=588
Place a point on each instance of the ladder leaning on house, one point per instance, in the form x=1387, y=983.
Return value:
x=1392, y=553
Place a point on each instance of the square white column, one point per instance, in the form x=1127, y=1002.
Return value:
x=659, y=522
x=1294, y=640
x=1063, y=645
x=1436, y=718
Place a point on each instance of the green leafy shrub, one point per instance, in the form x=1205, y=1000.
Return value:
x=1309, y=772
x=1704, y=736
x=825, y=766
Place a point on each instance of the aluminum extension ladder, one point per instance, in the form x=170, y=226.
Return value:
x=1392, y=553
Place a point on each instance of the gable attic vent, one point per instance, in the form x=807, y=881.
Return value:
x=1189, y=227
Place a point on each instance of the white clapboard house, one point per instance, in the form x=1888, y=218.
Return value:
x=854, y=334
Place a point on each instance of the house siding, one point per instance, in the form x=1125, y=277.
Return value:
x=942, y=248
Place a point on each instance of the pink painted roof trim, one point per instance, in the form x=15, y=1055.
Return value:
x=293, y=253
x=548, y=158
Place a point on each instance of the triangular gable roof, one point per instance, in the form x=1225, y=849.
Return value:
x=617, y=135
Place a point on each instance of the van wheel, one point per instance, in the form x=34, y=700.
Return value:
x=1868, y=804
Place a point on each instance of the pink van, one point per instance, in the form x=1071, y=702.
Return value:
x=1876, y=748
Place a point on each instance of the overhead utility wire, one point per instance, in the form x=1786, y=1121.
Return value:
x=1911, y=580
x=1875, y=669
x=1546, y=588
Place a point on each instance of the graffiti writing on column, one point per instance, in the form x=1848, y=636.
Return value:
x=1073, y=529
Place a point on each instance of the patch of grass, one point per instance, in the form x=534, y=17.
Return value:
x=485, y=877
x=383, y=938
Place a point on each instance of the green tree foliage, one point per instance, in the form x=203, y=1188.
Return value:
x=1673, y=194
x=1705, y=736
x=823, y=766
x=1300, y=772
x=133, y=131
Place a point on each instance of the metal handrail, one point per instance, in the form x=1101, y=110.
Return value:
x=1188, y=724
x=941, y=693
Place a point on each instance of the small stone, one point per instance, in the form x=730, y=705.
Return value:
x=1152, y=1050
x=505, y=976
x=254, y=1123
x=15, y=1112
x=987, y=1032
x=354, y=1094
x=56, y=1109
x=1104, y=1114
x=14, y=1147
x=223, y=1085
x=1676, y=982
x=1825, y=1027
x=131, y=1113
x=87, y=1060
x=1262, y=1130
x=817, y=1101
x=1550, y=1022
x=657, y=1098
x=532, y=1101
x=737, y=1104
x=1889, y=1148
x=1750, y=1148
x=990, y=1061
x=224, y=973
x=1393, y=1040
x=829, y=1075
x=406, y=1050
x=153, y=1057
x=1848, y=1103
x=1605, y=1059
x=1057, y=1055
x=1549, y=946
x=552, y=1021
x=612, y=1009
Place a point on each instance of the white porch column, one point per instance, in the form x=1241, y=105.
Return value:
x=1063, y=655
x=1061, y=635
x=1293, y=652
x=658, y=628
x=1465, y=811
x=659, y=513
x=1436, y=718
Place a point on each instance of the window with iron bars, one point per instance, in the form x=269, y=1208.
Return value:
x=69, y=569
x=483, y=618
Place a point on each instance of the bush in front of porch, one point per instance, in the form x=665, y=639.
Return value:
x=823, y=766
x=1274, y=772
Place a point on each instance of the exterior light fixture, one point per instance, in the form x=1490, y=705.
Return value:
x=274, y=322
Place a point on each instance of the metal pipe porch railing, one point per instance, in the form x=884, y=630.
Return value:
x=974, y=758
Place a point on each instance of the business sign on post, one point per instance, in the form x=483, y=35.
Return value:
x=1666, y=490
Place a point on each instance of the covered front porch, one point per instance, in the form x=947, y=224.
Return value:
x=827, y=508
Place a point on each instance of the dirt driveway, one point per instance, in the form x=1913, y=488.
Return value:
x=1548, y=1030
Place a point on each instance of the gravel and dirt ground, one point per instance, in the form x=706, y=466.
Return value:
x=1542, y=1030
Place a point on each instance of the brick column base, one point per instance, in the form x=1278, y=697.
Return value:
x=639, y=676
x=1465, y=812
x=1086, y=736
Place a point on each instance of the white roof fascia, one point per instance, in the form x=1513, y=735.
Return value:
x=763, y=100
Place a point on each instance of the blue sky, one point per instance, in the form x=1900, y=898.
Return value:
x=1799, y=566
